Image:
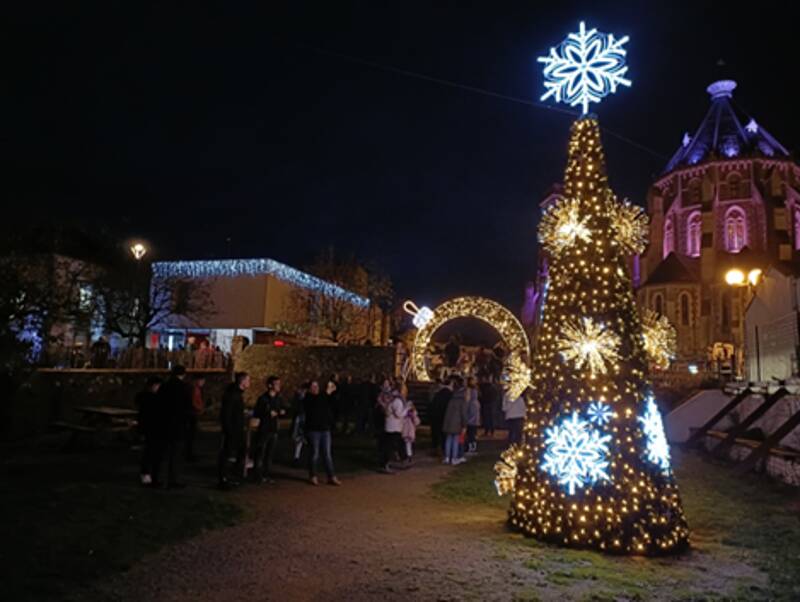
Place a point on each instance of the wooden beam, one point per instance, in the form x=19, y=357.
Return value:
x=698, y=435
x=763, y=450
x=739, y=429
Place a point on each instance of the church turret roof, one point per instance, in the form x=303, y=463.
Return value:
x=722, y=134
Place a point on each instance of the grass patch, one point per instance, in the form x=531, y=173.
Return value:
x=745, y=537
x=72, y=518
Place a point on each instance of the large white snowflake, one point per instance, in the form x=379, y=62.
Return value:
x=576, y=453
x=657, y=450
x=586, y=67
x=588, y=343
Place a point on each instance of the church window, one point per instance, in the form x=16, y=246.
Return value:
x=694, y=233
x=735, y=230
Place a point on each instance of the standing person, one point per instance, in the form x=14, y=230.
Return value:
x=269, y=408
x=319, y=422
x=473, y=416
x=381, y=402
x=175, y=398
x=452, y=352
x=395, y=409
x=298, y=422
x=487, y=395
x=347, y=392
x=410, y=424
x=363, y=404
x=147, y=404
x=335, y=399
x=455, y=421
x=231, y=417
x=438, y=407
x=198, y=407
x=514, y=410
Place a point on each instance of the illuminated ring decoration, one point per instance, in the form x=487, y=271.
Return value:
x=516, y=369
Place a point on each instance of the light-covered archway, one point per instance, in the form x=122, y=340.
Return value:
x=516, y=369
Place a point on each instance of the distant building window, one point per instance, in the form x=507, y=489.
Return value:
x=658, y=304
x=694, y=234
x=695, y=191
x=797, y=229
x=735, y=230
x=686, y=309
x=669, y=237
x=737, y=189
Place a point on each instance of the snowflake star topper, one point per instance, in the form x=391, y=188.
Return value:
x=584, y=68
x=576, y=453
x=588, y=343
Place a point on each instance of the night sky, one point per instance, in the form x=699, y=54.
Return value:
x=230, y=133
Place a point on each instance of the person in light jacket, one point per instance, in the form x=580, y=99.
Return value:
x=455, y=421
x=395, y=409
x=514, y=410
x=473, y=416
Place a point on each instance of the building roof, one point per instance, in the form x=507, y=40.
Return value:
x=675, y=268
x=232, y=268
x=724, y=135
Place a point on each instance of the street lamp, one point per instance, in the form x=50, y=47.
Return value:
x=736, y=277
x=138, y=251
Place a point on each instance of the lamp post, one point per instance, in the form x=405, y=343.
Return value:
x=737, y=278
x=138, y=251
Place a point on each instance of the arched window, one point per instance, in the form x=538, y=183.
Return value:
x=669, y=237
x=658, y=304
x=685, y=304
x=694, y=233
x=797, y=229
x=735, y=230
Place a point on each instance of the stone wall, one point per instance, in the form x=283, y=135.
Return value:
x=51, y=395
x=295, y=365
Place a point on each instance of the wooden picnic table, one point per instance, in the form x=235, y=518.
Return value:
x=108, y=418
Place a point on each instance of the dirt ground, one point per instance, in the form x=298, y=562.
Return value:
x=386, y=537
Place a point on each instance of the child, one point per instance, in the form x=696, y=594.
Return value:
x=410, y=424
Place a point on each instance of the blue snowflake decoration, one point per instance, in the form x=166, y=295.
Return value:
x=600, y=413
x=576, y=453
x=586, y=67
x=657, y=450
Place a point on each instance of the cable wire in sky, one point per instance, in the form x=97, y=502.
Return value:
x=474, y=89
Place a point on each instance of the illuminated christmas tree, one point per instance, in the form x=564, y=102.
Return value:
x=595, y=469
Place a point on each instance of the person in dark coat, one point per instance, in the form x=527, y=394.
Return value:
x=319, y=422
x=438, y=407
x=269, y=408
x=147, y=403
x=489, y=396
x=231, y=417
x=175, y=407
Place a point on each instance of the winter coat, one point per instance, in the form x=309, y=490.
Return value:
x=319, y=414
x=410, y=424
x=455, y=417
x=231, y=415
x=175, y=399
x=265, y=405
x=473, y=408
x=395, y=413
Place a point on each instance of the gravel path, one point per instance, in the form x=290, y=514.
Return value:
x=376, y=537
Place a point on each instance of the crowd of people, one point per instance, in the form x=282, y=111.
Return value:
x=170, y=410
x=100, y=354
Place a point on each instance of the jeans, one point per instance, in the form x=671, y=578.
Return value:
x=515, y=430
x=472, y=437
x=320, y=441
x=264, y=453
x=452, y=449
x=229, y=461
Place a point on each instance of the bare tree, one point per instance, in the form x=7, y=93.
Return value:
x=329, y=306
x=132, y=303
